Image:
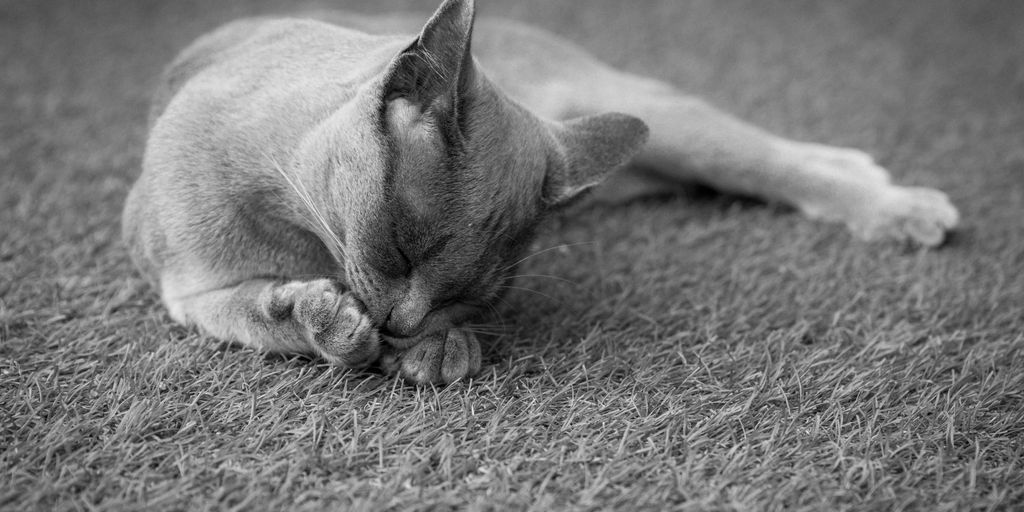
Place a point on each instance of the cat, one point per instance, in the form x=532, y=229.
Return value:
x=312, y=186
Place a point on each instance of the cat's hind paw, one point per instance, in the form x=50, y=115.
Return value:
x=920, y=215
x=862, y=195
x=336, y=323
x=440, y=358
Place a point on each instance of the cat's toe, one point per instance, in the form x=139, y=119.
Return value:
x=317, y=303
x=422, y=363
x=461, y=356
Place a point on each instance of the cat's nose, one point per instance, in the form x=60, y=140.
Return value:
x=406, y=317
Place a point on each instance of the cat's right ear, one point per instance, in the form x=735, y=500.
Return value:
x=435, y=70
x=586, y=151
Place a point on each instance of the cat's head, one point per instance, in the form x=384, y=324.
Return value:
x=468, y=174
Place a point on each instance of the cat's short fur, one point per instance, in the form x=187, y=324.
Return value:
x=309, y=188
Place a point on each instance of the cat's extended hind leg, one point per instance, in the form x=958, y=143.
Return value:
x=299, y=317
x=693, y=142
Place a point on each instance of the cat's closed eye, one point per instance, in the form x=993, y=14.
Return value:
x=388, y=259
x=406, y=260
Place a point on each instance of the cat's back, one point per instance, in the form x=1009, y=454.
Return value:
x=266, y=54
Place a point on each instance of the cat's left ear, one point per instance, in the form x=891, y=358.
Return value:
x=438, y=65
x=587, y=150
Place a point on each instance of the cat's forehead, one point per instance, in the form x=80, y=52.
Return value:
x=449, y=197
x=433, y=176
x=481, y=182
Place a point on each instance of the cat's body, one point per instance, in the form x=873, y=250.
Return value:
x=306, y=186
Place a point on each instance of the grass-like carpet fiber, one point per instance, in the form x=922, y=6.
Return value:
x=706, y=353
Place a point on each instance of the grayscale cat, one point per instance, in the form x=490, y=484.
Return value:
x=310, y=188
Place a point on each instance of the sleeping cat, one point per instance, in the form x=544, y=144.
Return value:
x=310, y=188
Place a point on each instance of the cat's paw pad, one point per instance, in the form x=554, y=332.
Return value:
x=336, y=323
x=920, y=215
x=440, y=358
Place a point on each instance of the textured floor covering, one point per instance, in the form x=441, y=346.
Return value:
x=934, y=89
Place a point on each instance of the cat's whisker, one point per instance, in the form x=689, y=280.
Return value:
x=490, y=330
x=309, y=277
x=542, y=294
x=503, y=301
x=549, y=249
x=484, y=333
x=303, y=194
x=487, y=329
x=497, y=315
x=556, y=278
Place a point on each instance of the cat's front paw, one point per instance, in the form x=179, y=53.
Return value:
x=336, y=323
x=439, y=358
x=920, y=215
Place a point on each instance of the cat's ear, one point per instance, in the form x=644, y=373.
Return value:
x=587, y=150
x=438, y=65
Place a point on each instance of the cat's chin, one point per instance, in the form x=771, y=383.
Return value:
x=438, y=322
x=434, y=324
x=401, y=343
